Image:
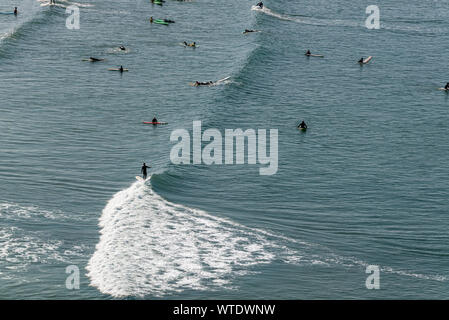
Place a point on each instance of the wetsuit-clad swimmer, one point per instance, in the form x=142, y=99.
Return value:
x=121, y=69
x=260, y=5
x=446, y=87
x=144, y=170
x=122, y=48
x=15, y=11
x=302, y=125
x=154, y=120
x=361, y=60
x=308, y=53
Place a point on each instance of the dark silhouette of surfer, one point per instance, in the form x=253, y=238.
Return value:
x=144, y=170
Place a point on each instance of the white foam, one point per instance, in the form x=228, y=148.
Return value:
x=149, y=246
x=272, y=13
x=64, y=4
x=20, y=248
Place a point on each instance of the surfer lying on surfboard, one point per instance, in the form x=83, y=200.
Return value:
x=144, y=170
x=92, y=59
x=365, y=61
x=208, y=83
x=193, y=44
x=250, y=31
x=309, y=54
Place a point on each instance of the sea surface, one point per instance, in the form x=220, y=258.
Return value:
x=366, y=184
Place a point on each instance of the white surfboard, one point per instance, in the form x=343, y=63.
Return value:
x=224, y=79
x=443, y=89
x=367, y=60
x=139, y=179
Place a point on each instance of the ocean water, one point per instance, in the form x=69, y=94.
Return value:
x=365, y=185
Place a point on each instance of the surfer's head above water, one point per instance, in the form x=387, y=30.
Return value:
x=122, y=48
x=302, y=125
x=260, y=5
x=15, y=10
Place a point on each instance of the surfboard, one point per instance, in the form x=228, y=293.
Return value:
x=113, y=69
x=193, y=84
x=90, y=60
x=315, y=55
x=224, y=79
x=139, y=179
x=6, y=12
x=443, y=89
x=155, y=123
x=161, y=22
x=367, y=60
x=253, y=31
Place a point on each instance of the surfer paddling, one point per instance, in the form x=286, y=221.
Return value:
x=15, y=11
x=260, y=5
x=197, y=83
x=144, y=170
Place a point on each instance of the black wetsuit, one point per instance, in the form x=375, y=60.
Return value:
x=144, y=171
x=446, y=86
x=302, y=125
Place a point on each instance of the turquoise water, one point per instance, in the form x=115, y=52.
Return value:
x=365, y=185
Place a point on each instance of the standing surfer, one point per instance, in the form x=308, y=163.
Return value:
x=144, y=170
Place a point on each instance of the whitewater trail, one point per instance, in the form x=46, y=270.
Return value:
x=64, y=4
x=151, y=247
